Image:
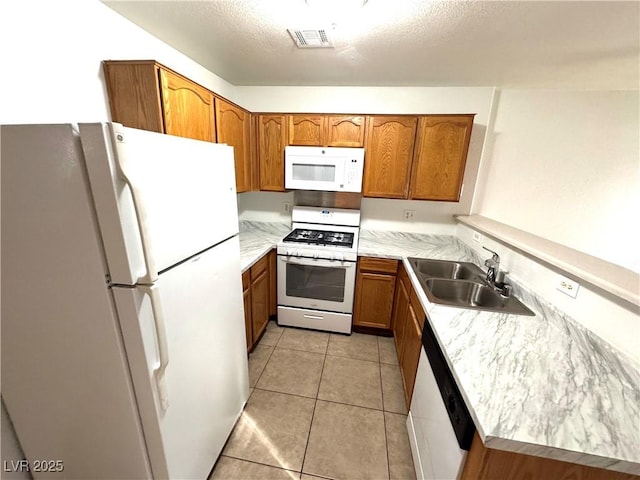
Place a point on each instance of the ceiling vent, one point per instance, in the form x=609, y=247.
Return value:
x=311, y=38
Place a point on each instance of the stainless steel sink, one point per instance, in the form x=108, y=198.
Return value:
x=462, y=284
x=446, y=269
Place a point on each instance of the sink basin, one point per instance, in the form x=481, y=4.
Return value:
x=464, y=293
x=462, y=284
x=446, y=269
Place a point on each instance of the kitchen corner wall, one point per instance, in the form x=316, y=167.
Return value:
x=565, y=165
x=377, y=214
x=52, y=54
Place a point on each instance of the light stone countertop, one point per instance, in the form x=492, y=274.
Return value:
x=257, y=239
x=540, y=385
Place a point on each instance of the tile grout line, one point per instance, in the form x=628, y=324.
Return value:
x=384, y=417
x=313, y=414
x=258, y=463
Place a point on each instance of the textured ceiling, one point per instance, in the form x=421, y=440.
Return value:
x=573, y=44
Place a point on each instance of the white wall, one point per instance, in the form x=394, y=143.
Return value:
x=565, y=166
x=51, y=56
x=383, y=214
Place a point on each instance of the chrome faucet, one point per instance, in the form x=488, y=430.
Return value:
x=495, y=278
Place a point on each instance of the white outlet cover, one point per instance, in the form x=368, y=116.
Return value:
x=477, y=237
x=567, y=286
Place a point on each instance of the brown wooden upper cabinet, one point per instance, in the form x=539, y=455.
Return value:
x=272, y=138
x=345, y=131
x=187, y=107
x=146, y=95
x=308, y=130
x=388, y=155
x=233, y=127
x=440, y=157
x=326, y=130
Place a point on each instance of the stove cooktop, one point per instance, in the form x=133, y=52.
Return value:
x=320, y=237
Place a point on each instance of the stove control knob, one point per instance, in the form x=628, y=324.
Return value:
x=340, y=257
x=315, y=255
x=289, y=253
x=298, y=253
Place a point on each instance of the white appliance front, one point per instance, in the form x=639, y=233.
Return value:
x=160, y=199
x=65, y=376
x=331, y=169
x=316, y=283
x=436, y=452
x=190, y=377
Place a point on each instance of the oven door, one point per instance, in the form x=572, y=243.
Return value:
x=316, y=283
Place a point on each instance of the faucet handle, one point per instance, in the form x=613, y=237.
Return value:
x=495, y=257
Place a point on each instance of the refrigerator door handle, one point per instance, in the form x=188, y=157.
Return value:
x=163, y=349
x=141, y=217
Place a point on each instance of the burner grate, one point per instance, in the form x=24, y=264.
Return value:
x=320, y=237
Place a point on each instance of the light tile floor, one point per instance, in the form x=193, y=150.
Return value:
x=321, y=406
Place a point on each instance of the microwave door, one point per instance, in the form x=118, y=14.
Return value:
x=313, y=173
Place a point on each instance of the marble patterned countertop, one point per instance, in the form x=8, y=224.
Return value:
x=541, y=385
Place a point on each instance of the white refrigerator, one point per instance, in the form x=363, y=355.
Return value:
x=123, y=349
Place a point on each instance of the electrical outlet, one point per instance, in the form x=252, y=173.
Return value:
x=286, y=206
x=477, y=237
x=568, y=287
x=408, y=215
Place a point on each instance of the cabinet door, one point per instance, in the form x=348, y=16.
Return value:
x=187, y=108
x=374, y=300
x=307, y=130
x=411, y=352
x=259, y=304
x=388, y=156
x=272, y=135
x=399, y=321
x=441, y=155
x=233, y=128
x=345, y=131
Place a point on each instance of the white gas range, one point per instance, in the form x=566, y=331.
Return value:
x=317, y=269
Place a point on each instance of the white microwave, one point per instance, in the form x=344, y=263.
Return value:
x=331, y=169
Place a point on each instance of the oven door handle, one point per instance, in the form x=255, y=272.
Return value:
x=321, y=262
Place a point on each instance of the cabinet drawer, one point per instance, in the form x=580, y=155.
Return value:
x=246, y=280
x=371, y=264
x=259, y=267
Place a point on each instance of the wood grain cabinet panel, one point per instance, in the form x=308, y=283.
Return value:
x=412, y=345
x=272, y=136
x=134, y=94
x=259, y=297
x=345, y=131
x=388, y=155
x=180, y=95
x=375, y=287
x=233, y=127
x=400, y=309
x=440, y=158
x=488, y=464
x=307, y=130
x=273, y=283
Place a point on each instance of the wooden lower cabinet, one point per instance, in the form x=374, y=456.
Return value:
x=375, y=286
x=408, y=319
x=488, y=464
x=259, y=297
x=259, y=292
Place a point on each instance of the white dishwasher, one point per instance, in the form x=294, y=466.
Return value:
x=439, y=424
